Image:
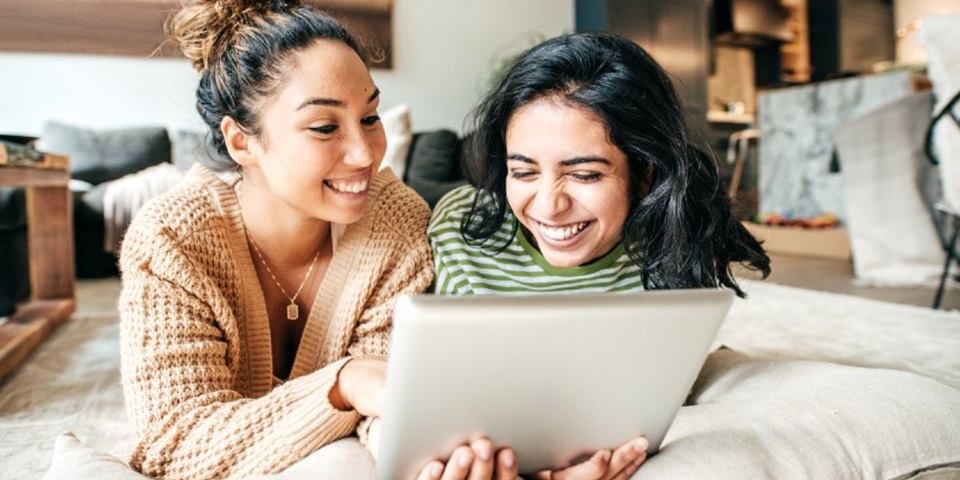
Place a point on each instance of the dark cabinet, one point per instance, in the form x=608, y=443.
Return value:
x=849, y=36
x=677, y=35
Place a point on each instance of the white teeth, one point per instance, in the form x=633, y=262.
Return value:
x=354, y=187
x=561, y=233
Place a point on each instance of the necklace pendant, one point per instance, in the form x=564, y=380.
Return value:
x=293, y=312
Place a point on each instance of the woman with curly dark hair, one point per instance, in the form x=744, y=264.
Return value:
x=585, y=178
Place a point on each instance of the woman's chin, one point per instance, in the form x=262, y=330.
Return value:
x=343, y=216
x=564, y=260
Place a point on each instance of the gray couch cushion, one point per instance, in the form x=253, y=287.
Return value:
x=433, y=168
x=97, y=156
x=192, y=146
x=88, y=206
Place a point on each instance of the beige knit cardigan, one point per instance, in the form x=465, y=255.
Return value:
x=196, y=358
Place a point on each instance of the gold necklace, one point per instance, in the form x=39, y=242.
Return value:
x=293, y=310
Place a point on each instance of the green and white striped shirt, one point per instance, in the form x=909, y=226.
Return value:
x=462, y=268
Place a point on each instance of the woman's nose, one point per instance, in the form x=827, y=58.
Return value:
x=551, y=199
x=359, y=150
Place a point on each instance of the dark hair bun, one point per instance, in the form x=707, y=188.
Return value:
x=205, y=28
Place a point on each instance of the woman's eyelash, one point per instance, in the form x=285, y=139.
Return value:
x=586, y=177
x=583, y=177
x=328, y=129
x=325, y=129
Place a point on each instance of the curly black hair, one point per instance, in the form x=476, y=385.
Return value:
x=680, y=227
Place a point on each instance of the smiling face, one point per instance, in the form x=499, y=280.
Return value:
x=566, y=183
x=321, y=140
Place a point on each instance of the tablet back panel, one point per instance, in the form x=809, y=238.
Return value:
x=556, y=377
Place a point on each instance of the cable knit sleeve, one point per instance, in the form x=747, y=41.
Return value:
x=182, y=377
x=403, y=218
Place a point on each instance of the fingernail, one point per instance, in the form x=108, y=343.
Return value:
x=436, y=470
x=507, y=459
x=463, y=459
x=605, y=456
x=641, y=445
x=483, y=451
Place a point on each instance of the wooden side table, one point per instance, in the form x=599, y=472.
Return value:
x=52, y=277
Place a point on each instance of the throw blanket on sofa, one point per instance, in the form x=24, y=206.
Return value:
x=125, y=195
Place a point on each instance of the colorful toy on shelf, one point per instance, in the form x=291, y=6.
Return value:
x=824, y=220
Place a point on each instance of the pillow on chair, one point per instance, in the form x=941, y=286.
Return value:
x=938, y=35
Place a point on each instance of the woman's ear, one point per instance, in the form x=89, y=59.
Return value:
x=647, y=179
x=237, y=141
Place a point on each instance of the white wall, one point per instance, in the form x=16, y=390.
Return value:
x=444, y=51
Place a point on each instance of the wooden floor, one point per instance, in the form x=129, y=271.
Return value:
x=837, y=276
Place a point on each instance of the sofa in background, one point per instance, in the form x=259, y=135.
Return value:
x=96, y=159
x=428, y=160
x=14, y=273
x=433, y=165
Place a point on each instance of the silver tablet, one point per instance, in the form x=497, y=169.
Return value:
x=554, y=376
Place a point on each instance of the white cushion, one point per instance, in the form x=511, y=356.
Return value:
x=398, y=127
x=73, y=459
x=344, y=459
x=892, y=234
x=762, y=419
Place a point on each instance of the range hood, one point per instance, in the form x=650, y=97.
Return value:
x=751, y=23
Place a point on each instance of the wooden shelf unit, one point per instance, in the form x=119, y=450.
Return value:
x=795, y=55
x=52, y=274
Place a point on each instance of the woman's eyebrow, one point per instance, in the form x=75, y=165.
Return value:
x=581, y=160
x=520, y=158
x=333, y=102
x=564, y=163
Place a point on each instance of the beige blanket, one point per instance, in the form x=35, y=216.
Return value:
x=125, y=195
